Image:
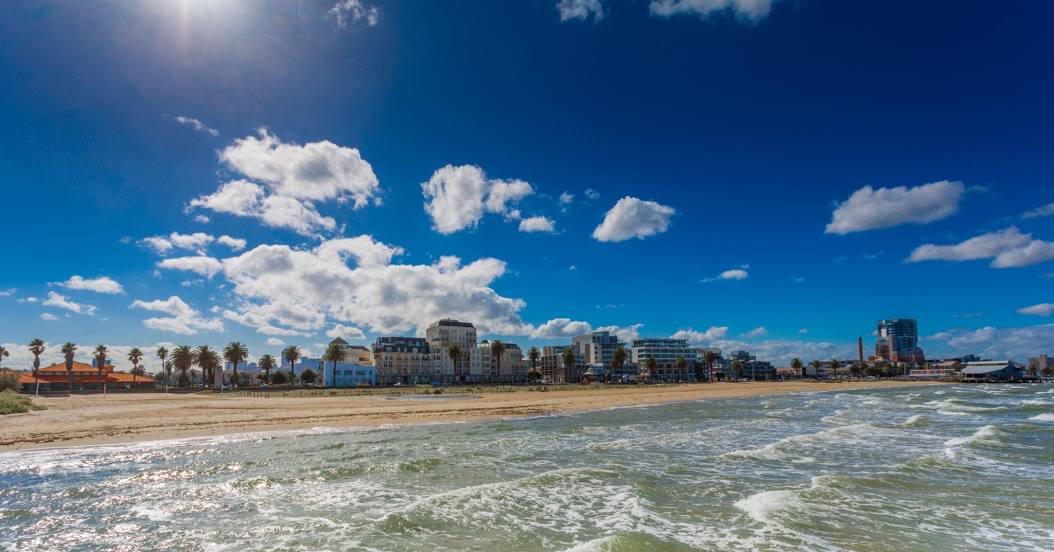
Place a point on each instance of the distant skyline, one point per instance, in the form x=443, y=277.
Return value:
x=769, y=175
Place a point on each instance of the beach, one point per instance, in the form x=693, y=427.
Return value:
x=120, y=418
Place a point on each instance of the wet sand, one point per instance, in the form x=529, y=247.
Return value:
x=117, y=418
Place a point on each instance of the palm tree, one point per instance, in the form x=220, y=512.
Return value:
x=568, y=358
x=183, y=358
x=162, y=353
x=682, y=367
x=651, y=365
x=737, y=368
x=209, y=361
x=100, y=362
x=37, y=348
x=68, y=350
x=709, y=358
x=816, y=364
x=533, y=354
x=454, y=353
x=835, y=365
x=135, y=356
x=497, y=349
x=618, y=360
x=798, y=367
x=235, y=352
x=292, y=354
x=334, y=353
x=3, y=353
x=266, y=363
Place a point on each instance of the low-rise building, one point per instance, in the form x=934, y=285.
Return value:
x=665, y=352
x=993, y=371
x=404, y=360
x=85, y=377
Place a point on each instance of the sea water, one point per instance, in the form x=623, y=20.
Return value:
x=939, y=468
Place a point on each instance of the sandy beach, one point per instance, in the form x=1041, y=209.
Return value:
x=116, y=418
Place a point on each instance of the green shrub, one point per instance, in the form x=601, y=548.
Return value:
x=13, y=403
x=8, y=380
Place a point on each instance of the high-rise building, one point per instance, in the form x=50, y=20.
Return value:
x=898, y=341
x=665, y=351
x=469, y=366
x=597, y=347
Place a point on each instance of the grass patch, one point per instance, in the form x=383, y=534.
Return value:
x=13, y=403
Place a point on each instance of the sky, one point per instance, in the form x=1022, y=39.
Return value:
x=760, y=174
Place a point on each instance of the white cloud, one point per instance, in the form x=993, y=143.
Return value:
x=626, y=334
x=7, y=292
x=561, y=327
x=48, y=316
x=757, y=332
x=537, y=224
x=102, y=284
x=580, y=9
x=731, y=274
x=1009, y=248
x=633, y=218
x=196, y=125
x=182, y=318
x=203, y=265
x=201, y=218
x=161, y=245
x=1043, y=211
x=870, y=209
x=346, y=332
x=747, y=10
x=1042, y=309
x=591, y=194
x=712, y=334
x=993, y=342
x=60, y=301
x=296, y=176
x=457, y=197
x=275, y=342
x=803, y=331
x=349, y=11
x=566, y=198
x=236, y=244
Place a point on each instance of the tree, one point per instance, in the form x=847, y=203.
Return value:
x=737, y=368
x=858, y=368
x=682, y=366
x=279, y=378
x=68, y=350
x=618, y=360
x=799, y=368
x=183, y=358
x=651, y=365
x=497, y=349
x=334, y=353
x=266, y=363
x=100, y=362
x=209, y=361
x=454, y=353
x=308, y=376
x=292, y=354
x=135, y=356
x=709, y=358
x=36, y=347
x=835, y=365
x=162, y=354
x=816, y=364
x=568, y=358
x=533, y=354
x=234, y=353
x=3, y=353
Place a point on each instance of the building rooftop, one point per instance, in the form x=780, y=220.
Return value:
x=452, y=322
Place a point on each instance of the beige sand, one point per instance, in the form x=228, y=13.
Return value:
x=94, y=419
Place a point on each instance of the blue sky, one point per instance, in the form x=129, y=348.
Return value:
x=775, y=175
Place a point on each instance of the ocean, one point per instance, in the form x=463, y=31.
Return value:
x=940, y=468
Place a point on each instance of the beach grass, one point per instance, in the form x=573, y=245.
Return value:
x=14, y=403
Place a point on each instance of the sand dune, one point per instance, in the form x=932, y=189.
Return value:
x=94, y=419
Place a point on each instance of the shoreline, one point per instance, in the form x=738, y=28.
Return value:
x=89, y=420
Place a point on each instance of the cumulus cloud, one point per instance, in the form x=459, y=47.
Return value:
x=994, y=342
x=182, y=318
x=633, y=218
x=757, y=332
x=48, y=316
x=1043, y=211
x=731, y=274
x=102, y=284
x=294, y=178
x=537, y=224
x=566, y=198
x=712, y=334
x=870, y=209
x=591, y=194
x=747, y=10
x=626, y=334
x=457, y=197
x=1008, y=248
x=345, y=332
x=561, y=327
x=201, y=264
x=236, y=244
x=7, y=292
x=350, y=11
x=275, y=342
x=196, y=125
x=161, y=245
x=60, y=301
x=1042, y=309
x=580, y=9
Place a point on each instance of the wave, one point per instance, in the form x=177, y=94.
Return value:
x=988, y=435
x=1048, y=417
x=912, y=421
x=776, y=450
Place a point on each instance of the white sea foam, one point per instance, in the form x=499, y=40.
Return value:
x=1043, y=418
x=988, y=434
x=777, y=449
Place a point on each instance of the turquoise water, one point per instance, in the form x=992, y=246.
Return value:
x=937, y=468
